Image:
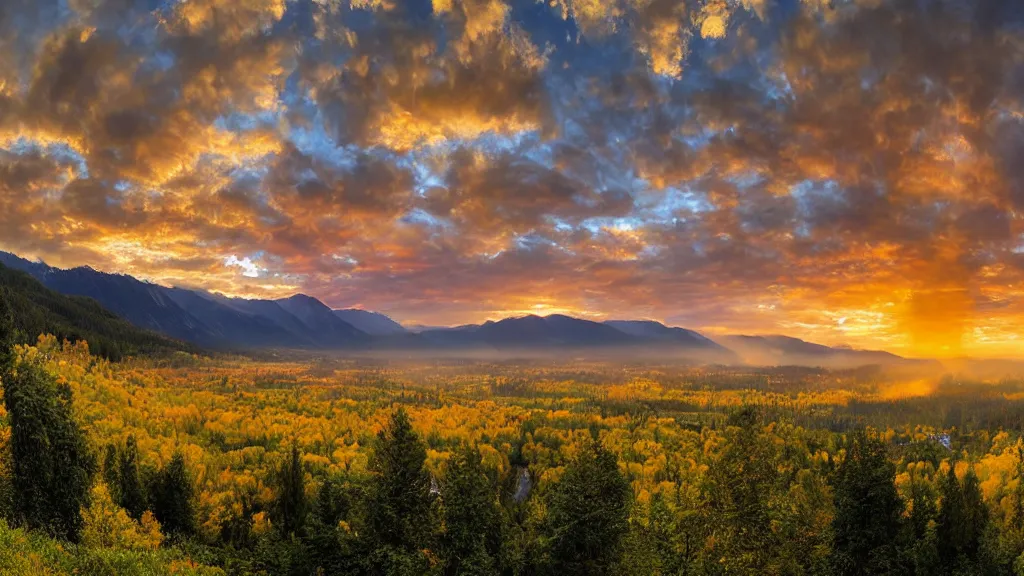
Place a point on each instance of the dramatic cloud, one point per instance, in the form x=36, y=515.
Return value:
x=849, y=171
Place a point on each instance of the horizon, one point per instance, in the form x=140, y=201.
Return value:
x=719, y=338
x=743, y=167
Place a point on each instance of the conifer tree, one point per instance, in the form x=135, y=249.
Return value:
x=962, y=520
x=112, y=472
x=51, y=466
x=588, y=514
x=171, y=498
x=738, y=488
x=290, y=507
x=920, y=541
x=131, y=494
x=328, y=547
x=1017, y=520
x=400, y=518
x=471, y=516
x=868, y=511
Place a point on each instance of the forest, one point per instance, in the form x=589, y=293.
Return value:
x=185, y=464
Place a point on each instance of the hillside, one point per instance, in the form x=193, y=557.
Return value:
x=38, y=310
x=196, y=316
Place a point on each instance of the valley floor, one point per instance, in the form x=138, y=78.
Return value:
x=681, y=437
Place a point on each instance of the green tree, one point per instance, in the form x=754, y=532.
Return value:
x=471, y=517
x=868, y=511
x=659, y=541
x=738, y=490
x=588, y=514
x=290, y=507
x=920, y=540
x=172, y=498
x=962, y=521
x=51, y=467
x=130, y=494
x=1017, y=519
x=112, y=472
x=400, y=517
x=329, y=547
x=8, y=334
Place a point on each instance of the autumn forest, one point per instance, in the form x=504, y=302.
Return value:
x=186, y=464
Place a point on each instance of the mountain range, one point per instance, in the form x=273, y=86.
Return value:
x=302, y=322
x=38, y=310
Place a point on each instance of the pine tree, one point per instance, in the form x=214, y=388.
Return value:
x=290, y=509
x=8, y=331
x=976, y=516
x=329, y=548
x=1017, y=520
x=738, y=488
x=920, y=541
x=868, y=511
x=51, y=465
x=131, y=494
x=400, y=519
x=962, y=521
x=112, y=472
x=588, y=514
x=471, y=516
x=171, y=496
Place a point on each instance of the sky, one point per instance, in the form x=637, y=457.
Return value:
x=846, y=171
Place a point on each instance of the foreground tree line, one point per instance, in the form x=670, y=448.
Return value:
x=759, y=507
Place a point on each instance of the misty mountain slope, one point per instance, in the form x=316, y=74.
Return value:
x=628, y=339
x=321, y=321
x=652, y=330
x=464, y=336
x=785, y=350
x=373, y=323
x=555, y=330
x=233, y=327
x=273, y=311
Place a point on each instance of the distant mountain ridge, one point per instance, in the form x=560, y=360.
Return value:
x=786, y=350
x=557, y=333
x=303, y=322
x=373, y=323
x=38, y=310
x=658, y=331
x=205, y=319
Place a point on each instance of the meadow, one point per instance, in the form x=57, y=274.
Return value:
x=449, y=466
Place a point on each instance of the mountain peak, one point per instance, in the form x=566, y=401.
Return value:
x=304, y=298
x=373, y=323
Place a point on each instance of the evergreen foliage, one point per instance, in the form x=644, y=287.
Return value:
x=588, y=514
x=51, y=466
x=123, y=479
x=868, y=514
x=739, y=486
x=401, y=520
x=172, y=498
x=471, y=517
x=290, y=508
x=961, y=523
